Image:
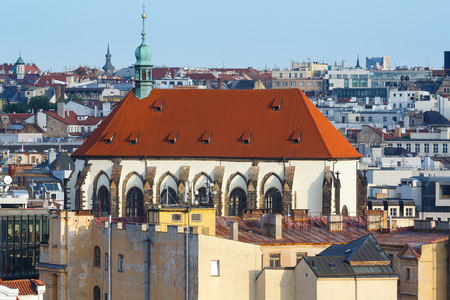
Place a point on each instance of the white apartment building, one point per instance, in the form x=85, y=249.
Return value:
x=407, y=99
x=348, y=78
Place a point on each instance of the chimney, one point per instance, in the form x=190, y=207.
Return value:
x=397, y=132
x=11, y=170
x=219, y=84
x=18, y=93
x=60, y=108
x=51, y=155
x=234, y=226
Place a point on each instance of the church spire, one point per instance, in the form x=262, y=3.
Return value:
x=143, y=66
x=108, y=67
x=357, y=63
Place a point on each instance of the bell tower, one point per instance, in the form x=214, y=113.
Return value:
x=143, y=67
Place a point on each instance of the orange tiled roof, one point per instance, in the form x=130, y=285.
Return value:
x=71, y=118
x=17, y=118
x=25, y=286
x=225, y=113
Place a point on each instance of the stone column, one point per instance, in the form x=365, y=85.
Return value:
x=288, y=177
x=217, y=189
x=114, y=190
x=252, y=194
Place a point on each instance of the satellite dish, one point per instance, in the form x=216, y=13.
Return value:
x=7, y=179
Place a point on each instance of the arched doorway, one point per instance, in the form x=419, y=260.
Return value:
x=273, y=201
x=345, y=211
x=97, y=295
x=169, y=196
x=135, y=203
x=238, y=202
x=103, y=202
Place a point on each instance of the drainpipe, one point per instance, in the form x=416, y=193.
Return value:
x=187, y=256
x=109, y=257
x=147, y=268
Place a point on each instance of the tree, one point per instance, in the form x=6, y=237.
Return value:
x=16, y=107
x=40, y=102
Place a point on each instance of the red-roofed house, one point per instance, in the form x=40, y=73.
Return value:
x=23, y=289
x=257, y=150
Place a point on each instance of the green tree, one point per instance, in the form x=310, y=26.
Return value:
x=16, y=107
x=40, y=102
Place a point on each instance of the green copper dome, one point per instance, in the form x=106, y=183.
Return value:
x=20, y=61
x=143, y=53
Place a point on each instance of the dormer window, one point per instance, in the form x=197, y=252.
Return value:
x=109, y=137
x=296, y=136
x=206, y=138
x=276, y=104
x=158, y=104
x=246, y=137
x=133, y=138
x=172, y=139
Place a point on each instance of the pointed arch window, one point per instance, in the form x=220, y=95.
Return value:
x=135, y=203
x=273, y=201
x=238, y=202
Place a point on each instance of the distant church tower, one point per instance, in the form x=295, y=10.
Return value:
x=357, y=63
x=143, y=67
x=108, y=67
x=19, y=68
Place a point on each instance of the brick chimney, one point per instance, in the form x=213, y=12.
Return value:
x=60, y=108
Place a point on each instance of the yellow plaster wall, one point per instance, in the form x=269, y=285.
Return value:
x=240, y=264
x=432, y=271
x=306, y=282
x=288, y=253
x=276, y=284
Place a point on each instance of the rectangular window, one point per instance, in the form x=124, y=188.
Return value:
x=295, y=75
x=275, y=260
x=357, y=119
x=390, y=145
x=318, y=83
x=384, y=119
x=293, y=83
x=120, y=263
x=310, y=83
x=393, y=212
x=281, y=75
x=363, y=119
x=301, y=83
x=444, y=148
x=285, y=83
x=106, y=261
x=370, y=119
x=196, y=217
x=290, y=75
x=435, y=148
x=277, y=83
x=426, y=148
x=409, y=211
x=444, y=191
x=408, y=274
x=393, y=105
x=300, y=255
x=215, y=268
x=408, y=147
x=399, y=145
x=417, y=148
x=176, y=217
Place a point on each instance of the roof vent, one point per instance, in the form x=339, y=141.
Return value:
x=109, y=137
x=246, y=137
x=276, y=104
x=206, y=138
x=333, y=265
x=296, y=136
x=134, y=138
x=158, y=104
x=172, y=139
x=348, y=251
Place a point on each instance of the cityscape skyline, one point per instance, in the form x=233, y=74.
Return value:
x=213, y=35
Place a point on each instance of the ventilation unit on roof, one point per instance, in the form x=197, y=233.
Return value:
x=296, y=136
x=109, y=137
x=206, y=138
x=172, y=139
x=348, y=251
x=133, y=138
x=276, y=104
x=158, y=104
x=246, y=137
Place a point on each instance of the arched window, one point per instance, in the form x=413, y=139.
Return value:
x=169, y=196
x=345, y=211
x=273, y=201
x=97, y=256
x=102, y=202
x=144, y=75
x=97, y=293
x=238, y=202
x=135, y=203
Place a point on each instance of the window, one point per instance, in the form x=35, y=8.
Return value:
x=408, y=147
x=394, y=119
x=277, y=83
x=176, y=217
x=300, y=255
x=275, y=260
x=370, y=119
x=408, y=274
x=196, y=217
x=426, y=148
x=97, y=256
x=435, y=148
x=281, y=75
x=318, y=83
x=135, y=203
x=301, y=83
x=393, y=212
x=357, y=119
x=399, y=145
x=106, y=261
x=444, y=148
x=310, y=83
x=120, y=263
x=409, y=211
x=285, y=83
x=444, y=191
x=290, y=75
x=295, y=75
x=384, y=119
x=390, y=145
x=417, y=148
x=97, y=293
x=293, y=83
x=215, y=268
x=393, y=105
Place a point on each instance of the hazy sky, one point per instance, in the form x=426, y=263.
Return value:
x=56, y=34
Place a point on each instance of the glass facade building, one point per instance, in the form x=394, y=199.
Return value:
x=20, y=237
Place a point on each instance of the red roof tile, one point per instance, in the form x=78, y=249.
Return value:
x=71, y=118
x=18, y=118
x=201, y=76
x=381, y=133
x=227, y=114
x=25, y=286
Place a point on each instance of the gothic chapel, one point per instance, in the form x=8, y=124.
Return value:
x=240, y=151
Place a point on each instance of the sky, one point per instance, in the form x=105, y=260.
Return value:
x=61, y=34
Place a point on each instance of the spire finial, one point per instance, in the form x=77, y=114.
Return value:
x=143, y=22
